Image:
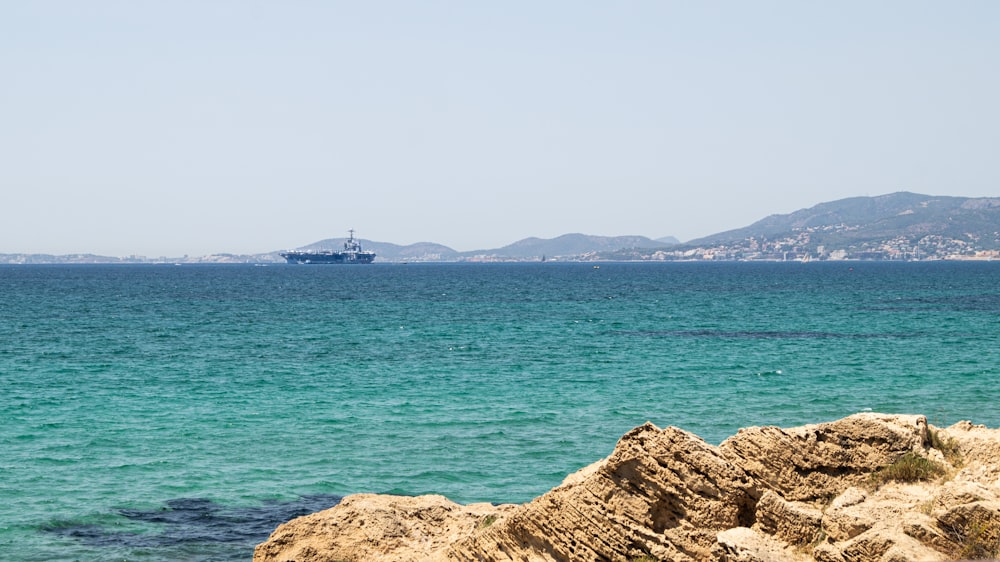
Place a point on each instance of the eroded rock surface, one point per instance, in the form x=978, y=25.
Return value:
x=378, y=528
x=766, y=494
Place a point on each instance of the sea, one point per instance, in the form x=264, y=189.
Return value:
x=180, y=413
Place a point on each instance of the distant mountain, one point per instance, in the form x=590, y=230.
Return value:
x=567, y=245
x=869, y=221
x=388, y=252
x=897, y=226
x=901, y=225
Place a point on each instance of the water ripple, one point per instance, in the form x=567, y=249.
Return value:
x=763, y=334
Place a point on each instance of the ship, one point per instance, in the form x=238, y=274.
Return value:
x=352, y=253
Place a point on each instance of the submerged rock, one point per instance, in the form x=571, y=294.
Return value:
x=765, y=494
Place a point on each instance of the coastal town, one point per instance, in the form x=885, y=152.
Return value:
x=803, y=245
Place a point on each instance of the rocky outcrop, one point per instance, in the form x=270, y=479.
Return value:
x=817, y=492
x=374, y=527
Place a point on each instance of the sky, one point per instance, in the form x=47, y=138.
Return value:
x=193, y=127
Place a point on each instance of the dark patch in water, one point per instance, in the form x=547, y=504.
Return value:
x=195, y=521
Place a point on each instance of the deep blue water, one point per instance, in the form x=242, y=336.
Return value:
x=180, y=413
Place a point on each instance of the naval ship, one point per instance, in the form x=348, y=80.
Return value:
x=352, y=253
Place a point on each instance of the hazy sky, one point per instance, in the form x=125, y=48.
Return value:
x=165, y=128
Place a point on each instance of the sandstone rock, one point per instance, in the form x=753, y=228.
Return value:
x=958, y=492
x=884, y=543
x=924, y=529
x=377, y=528
x=664, y=493
x=827, y=552
x=764, y=495
x=746, y=545
x=906, y=549
x=818, y=462
x=847, y=516
x=793, y=522
x=974, y=528
x=980, y=451
x=849, y=497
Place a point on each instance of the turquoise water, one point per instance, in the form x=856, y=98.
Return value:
x=180, y=413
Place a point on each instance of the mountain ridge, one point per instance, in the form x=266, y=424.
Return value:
x=895, y=226
x=901, y=225
x=532, y=248
x=873, y=211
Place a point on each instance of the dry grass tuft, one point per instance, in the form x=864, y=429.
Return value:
x=910, y=467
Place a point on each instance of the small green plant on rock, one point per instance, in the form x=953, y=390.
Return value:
x=820, y=537
x=948, y=447
x=910, y=467
x=487, y=521
x=978, y=539
x=927, y=507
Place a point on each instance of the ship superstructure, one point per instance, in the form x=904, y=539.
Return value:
x=352, y=253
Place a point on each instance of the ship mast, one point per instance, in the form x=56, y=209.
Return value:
x=351, y=245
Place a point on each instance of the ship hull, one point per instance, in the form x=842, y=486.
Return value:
x=351, y=254
x=328, y=258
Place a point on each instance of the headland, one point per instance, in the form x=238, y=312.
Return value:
x=869, y=487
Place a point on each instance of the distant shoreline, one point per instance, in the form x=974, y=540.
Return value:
x=42, y=259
